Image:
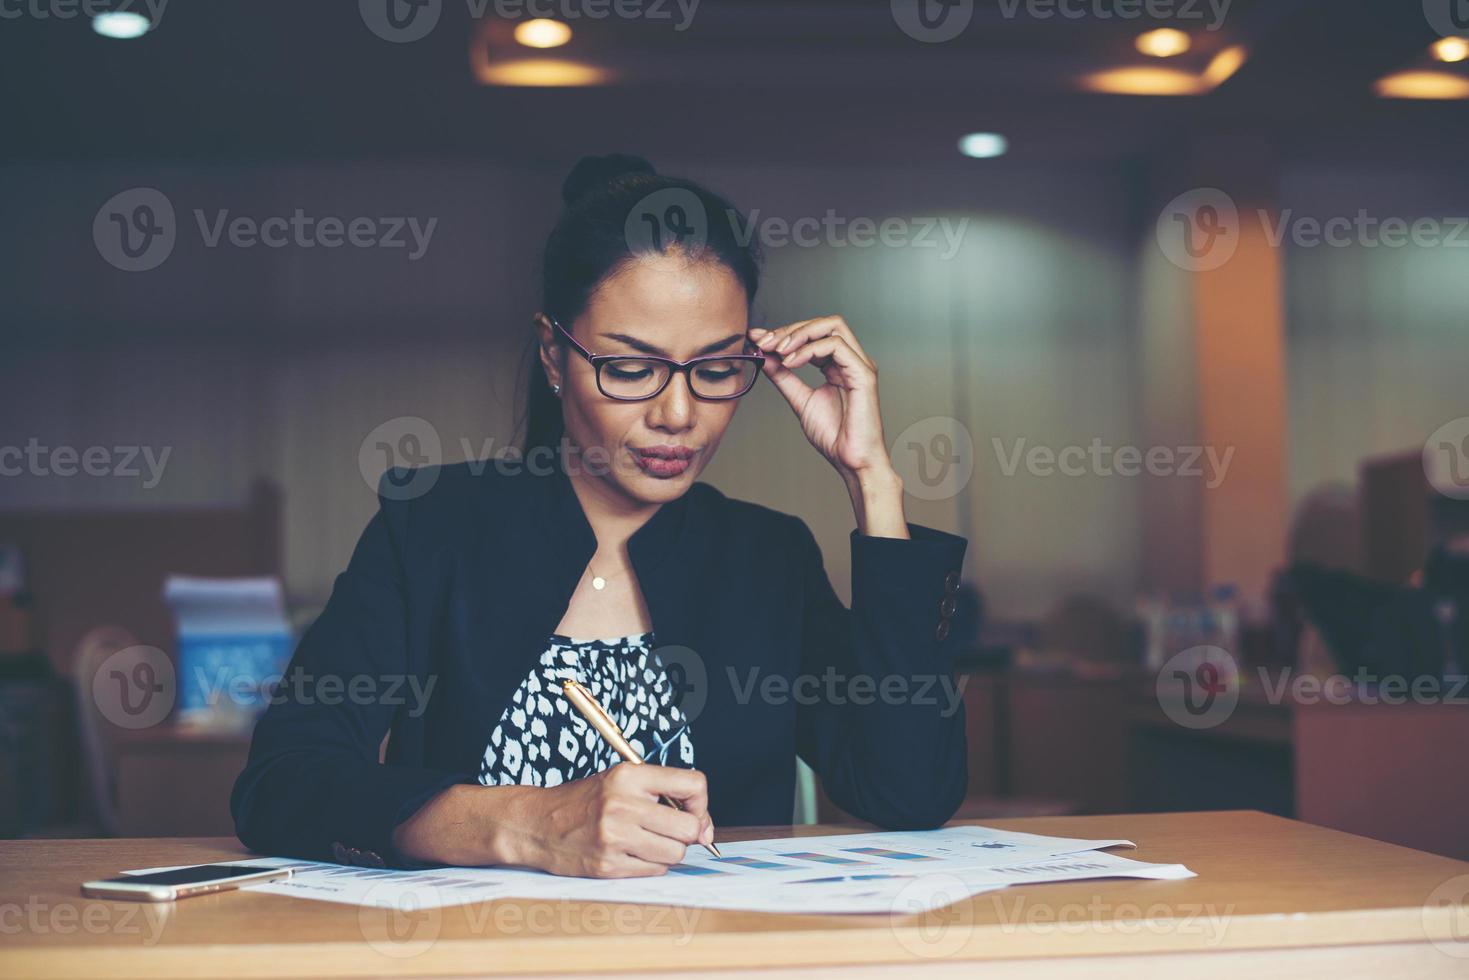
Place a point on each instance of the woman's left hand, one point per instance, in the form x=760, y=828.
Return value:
x=841, y=417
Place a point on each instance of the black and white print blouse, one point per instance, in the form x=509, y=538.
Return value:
x=541, y=740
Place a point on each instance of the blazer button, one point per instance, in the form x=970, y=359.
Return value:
x=947, y=606
x=370, y=859
x=951, y=582
x=942, y=633
x=339, y=853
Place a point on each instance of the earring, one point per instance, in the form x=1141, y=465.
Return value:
x=556, y=390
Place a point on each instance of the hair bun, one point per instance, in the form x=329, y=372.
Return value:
x=593, y=173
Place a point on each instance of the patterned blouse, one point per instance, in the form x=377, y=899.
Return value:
x=541, y=740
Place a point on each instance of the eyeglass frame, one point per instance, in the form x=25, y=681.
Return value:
x=675, y=367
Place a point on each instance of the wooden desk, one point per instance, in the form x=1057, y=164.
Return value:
x=1274, y=898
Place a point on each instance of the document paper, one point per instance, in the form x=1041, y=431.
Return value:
x=886, y=872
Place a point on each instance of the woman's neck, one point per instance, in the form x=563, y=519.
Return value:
x=613, y=516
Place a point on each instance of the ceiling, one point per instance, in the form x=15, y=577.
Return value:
x=795, y=80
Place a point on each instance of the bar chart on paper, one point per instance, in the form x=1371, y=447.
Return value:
x=905, y=852
x=893, y=872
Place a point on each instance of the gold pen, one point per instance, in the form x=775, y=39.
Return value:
x=599, y=719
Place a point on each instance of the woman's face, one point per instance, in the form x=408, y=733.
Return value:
x=652, y=451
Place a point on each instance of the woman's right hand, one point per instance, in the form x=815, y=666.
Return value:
x=611, y=825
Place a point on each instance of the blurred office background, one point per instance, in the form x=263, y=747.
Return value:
x=1239, y=244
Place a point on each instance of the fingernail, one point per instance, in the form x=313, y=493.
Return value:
x=765, y=340
x=758, y=332
x=708, y=837
x=784, y=343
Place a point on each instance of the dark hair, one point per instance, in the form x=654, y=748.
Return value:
x=616, y=207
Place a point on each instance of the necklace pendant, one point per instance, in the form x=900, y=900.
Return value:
x=599, y=583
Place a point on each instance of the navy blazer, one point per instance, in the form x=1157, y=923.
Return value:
x=456, y=593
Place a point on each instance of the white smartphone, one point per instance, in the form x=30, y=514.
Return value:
x=169, y=886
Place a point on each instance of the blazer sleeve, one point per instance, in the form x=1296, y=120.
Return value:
x=886, y=735
x=313, y=786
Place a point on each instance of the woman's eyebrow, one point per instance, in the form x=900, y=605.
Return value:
x=648, y=348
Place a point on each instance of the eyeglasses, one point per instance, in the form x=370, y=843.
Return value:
x=629, y=378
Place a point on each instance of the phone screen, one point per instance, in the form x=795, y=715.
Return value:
x=191, y=876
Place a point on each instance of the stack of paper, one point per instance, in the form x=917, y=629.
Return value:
x=891, y=873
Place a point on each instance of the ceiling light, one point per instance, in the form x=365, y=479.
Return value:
x=540, y=73
x=542, y=33
x=1451, y=49
x=1165, y=42
x=123, y=25
x=1423, y=85
x=1168, y=81
x=983, y=146
x=1224, y=65
x=1144, y=81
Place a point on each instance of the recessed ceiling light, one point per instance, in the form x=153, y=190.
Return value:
x=1423, y=85
x=1165, y=42
x=542, y=33
x=984, y=146
x=124, y=25
x=1451, y=49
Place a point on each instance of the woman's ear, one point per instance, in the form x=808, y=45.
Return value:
x=549, y=350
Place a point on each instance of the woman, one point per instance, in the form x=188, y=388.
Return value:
x=490, y=588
